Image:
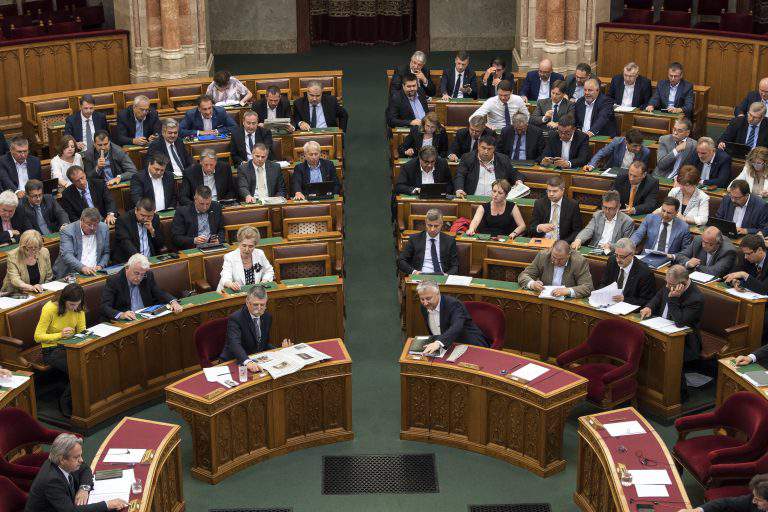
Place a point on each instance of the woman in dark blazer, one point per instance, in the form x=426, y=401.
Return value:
x=429, y=133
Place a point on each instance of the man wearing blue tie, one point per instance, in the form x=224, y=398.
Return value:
x=751, y=130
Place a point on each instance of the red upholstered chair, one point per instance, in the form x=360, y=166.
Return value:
x=490, y=319
x=610, y=383
x=209, y=340
x=675, y=18
x=640, y=16
x=20, y=431
x=736, y=476
x=737, y=22
x=712, y=456
x=12, y=499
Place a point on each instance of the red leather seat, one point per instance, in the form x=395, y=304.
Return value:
x=710, y=456
x=18, y=430
x=640, y=16
x=609, y=383
x=12, y=499
x=209, y=341
x=490, y=319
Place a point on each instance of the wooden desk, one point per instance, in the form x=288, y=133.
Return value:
x=545, y=328
x=486, y=412
x=598, y=488
x=263, y=418
x=22, y=397
x=112, y=374
x=730, y=380
x=161, y=476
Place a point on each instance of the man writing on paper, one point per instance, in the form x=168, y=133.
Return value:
x=632, y=276
x=64, y=482
x=559, y=266
x=248, y=330
x=754, y=276
x=447, y=319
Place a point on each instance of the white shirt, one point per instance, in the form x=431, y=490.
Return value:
x=672, y=94
x=578, y=92
x=427, y=177
x=629, y=157
x=588, y=108
x=485, y=179
x=176, y=167
x=59, y=167
x=320, y=119
x=626, y=274
x=157, y=186
x=271, y=113
x=629, y=92
x=84, y=123
x=459, y=76
x=21, y=171
x=262, y=191
x=89, y=258
x=565, y=148
x=207, y=123
x=428, y=267
x=433, y=320
x=557, y=276
x=210, y=182
x=494, y=109
x=738, y=213
x=543, y=90
x=608, y=228
x=705, y=170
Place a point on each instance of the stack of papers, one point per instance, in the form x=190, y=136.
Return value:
x=458, y=280
x=102, y=330
x=220, y=374
x=746, y=294
x=288, y=360
x=662, y=324
x=114, y=488
x=624, y=428
x=10, y=302
x=530, y=372
x=621, y=108
x=54, y=286
x=124, y=456
x=603, y=297
x=701, y=277
x=546, y=293
x=651, y=483
x=13, y=381
x=621, y=308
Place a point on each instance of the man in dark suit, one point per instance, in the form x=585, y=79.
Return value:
x=42, y=211
x=246, y=136
x=555, y=216
x=138, y=231
x=259, y=178
x=682, y=302
x=18, y=166
x=198, y=223
x=407, y=107
x=132, y=289
x=64, y=482
x=206, y=119
x=459, y=81
x=630, y=89
x=674, y=95
x=107, y=161
x=479, y=169
x=273, y=106
x=521, y=141
x=568, y=148
x=447, y=320
x=84, y=124
x=318, y=110
x=466, y=138
x=714, y=164
x=594, y=111
x=431, y=251
x=755, y=501
x=748, y=211
x=633, y=277
x=416, y=66
x=751, y=129
x=711, y=253
x=13, y=221
x=137, y=125
x=428, y=166
x=637, y=189
x=3, y=144
x=313, y=169
x=87, y=193
x=548, y=111
x=537, y=84
x=753, y=276
x=170, y=145
x=214, y=173
x=574, y=83
x=761, y=95
x=156, y=183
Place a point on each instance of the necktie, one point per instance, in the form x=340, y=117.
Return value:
x=257, y=328
x=250, y=142
x=86, y=199
x=88, y=133
x=556, y=221
x=751, y=136
x=175, y=156
x=313, y=117
x=620, y=280
x=435, y=259
x=472, y=145
x=662, y=245
x=516, y=152
x=457, y=86
x=41, y=221
x=507, y=120
x=632, y=191
x=71, y=482
x=555, y=115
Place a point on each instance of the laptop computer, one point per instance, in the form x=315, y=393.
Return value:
x=433, y=191
x=51, y=186
x=320, y=190
x=727, y=227
x=737, y=150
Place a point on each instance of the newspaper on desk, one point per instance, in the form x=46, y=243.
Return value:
x=114, y=488
x=54, y=286
x=13, y=381
x=279, y=363
x=701, y=277
x=742, y=294
x=662, y=324
x=603, y=297
x=519, y=190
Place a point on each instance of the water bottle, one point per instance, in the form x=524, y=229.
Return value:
x=242, y=373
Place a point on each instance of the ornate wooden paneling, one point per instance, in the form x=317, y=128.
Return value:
x=48, y=68
x=22, y=397
x=101, y=63
x=614, y=46
x=677, y=48
x=10, y=66
x=726, y=61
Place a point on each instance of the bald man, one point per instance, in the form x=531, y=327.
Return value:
x=538, y=83
x=711, y=253
x=761, y=95
x=594, y=111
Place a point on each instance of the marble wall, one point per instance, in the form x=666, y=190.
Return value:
x=248, y=26
x=484, y=25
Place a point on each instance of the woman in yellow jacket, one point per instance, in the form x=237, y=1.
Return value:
x=60, y=320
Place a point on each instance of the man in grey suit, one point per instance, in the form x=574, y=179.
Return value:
x=107, y=161
x=559, y=266
x=674, y=149
x=549, y=111
x=711, y=253
x=84, y=246
x=606, y=225
x=259, y=178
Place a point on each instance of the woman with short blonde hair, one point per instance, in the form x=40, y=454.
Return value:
x=29, y=265
x=246, y=264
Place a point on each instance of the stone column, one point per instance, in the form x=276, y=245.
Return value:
x=169, y=38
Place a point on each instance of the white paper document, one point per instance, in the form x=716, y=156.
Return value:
x=459, y=280
x=622, y=108
x=546, y=293
x=519, y=190
x=54, y=286
x=101, y=330
x=13, y=381
x=701, y=277
x=650, y=477
x=624, y=428
x=217, y=373
x=115, y=485
x=621, y=308
x=609, y=172
x=530, y=372
x=97, y=497
x=306, y=352
x=124, y=455
x=652, y=491
x=10, y=302
x=746, y=294
x=288, y=360
x=664, y=325
x=603, y=297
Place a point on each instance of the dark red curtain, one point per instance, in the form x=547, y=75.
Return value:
x=343, y=22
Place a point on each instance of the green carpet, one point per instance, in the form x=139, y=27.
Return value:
x=373, y=336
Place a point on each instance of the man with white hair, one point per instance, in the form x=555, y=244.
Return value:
x=213, y=173
x=447, y=319
x=137, y=125
x=632, y=276
x=538, y=82
x=751, y=130
x=714, y=164
x=416, y=66
x=132, y=289
x=14, y=224
x=64, y=482
x=630, y=89
x=313, y=169
x=172, y=146
x=84, y=246
x=594, y=111
x=318, y=110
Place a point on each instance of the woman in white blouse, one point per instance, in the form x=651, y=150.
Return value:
x=755, y=171
x=694, y=203
x=227, y=89
x=246, y=264
x=66, y=157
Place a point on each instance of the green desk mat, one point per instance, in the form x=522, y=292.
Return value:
x=312, y=281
